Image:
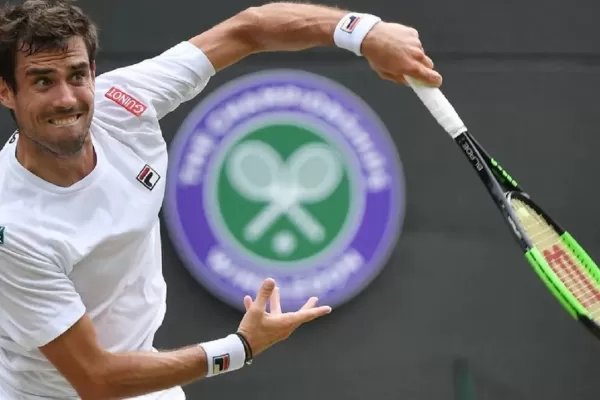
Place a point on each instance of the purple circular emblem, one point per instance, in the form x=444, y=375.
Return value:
x=284, y=174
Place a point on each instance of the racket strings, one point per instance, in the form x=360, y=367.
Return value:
x=568, y=268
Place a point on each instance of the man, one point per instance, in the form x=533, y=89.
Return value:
x=81, y=287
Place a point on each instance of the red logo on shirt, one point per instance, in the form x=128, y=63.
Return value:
x=129, y=103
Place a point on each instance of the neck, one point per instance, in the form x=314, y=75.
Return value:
x=61, y=171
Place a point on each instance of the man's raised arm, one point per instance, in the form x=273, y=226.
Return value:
x=393, y=50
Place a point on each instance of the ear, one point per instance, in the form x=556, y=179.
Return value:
x=7, y=97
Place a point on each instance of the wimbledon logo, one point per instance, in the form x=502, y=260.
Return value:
x=289, y=175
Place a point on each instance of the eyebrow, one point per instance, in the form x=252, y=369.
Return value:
x=45, y=71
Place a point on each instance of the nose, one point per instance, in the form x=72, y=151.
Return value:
x=64, y=97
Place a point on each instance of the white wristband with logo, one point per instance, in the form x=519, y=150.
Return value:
x=352, y=29
x=224, y=355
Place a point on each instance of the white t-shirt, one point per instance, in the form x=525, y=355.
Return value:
x=95, y=246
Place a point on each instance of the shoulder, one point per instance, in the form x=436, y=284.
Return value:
x=131, y=100
x=183, y=61
x=25, y=239
x=5, y=149
x=155, y=86
x=26, y=232
x=121, y=103
x=38, y=299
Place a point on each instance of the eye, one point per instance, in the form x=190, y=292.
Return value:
x=78, y=76
x=42, y=82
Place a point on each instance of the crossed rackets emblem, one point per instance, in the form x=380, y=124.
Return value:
x=309, y=175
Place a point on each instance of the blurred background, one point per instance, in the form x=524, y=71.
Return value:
x=524, y=76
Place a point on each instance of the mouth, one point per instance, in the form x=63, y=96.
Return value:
x=65, y=121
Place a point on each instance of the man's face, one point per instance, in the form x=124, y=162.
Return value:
x=54, y=99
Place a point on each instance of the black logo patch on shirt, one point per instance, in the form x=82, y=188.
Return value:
x=13, y=138
x=148, y=177
x=1, y=235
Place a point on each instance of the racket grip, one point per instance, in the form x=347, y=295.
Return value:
x=439, y=107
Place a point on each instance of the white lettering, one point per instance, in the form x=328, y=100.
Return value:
x=301, y=288
x=220, y=120
x=195, y=159
x=126, y=101
x=329, y=279
x=221, y=264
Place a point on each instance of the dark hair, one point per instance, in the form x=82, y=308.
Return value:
x=38, y=25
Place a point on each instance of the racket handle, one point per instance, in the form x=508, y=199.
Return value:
x=439, y=107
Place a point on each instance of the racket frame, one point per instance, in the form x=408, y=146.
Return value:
x=503, y=188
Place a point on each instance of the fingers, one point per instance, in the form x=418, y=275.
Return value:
x=310, y=303
x=264, y=293
x=414, y=63
x=420, y=56
x=248, y=302
x=309, y=314
x=425, y=75
x=413, y=60
x=428, y=62
x=309, y=311
x=275, y=303
x=417, y=71
x=412, y=31
x=422, y=68
x=412, y=38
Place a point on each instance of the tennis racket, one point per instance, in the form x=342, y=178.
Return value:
x=562, y=264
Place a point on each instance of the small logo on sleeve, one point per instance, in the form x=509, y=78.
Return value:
x=126, y=101
x=220, y=364
x=148, y=177
x=1, y=235
x=350, y=23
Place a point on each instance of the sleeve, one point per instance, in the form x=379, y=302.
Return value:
x=38, y=301
x=157, y=86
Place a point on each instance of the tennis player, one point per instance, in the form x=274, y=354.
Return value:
x=81, y=288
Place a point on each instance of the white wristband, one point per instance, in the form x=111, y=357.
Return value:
x=352, y=29
x=224, y=355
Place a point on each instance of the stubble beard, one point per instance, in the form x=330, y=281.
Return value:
x=61, y=149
